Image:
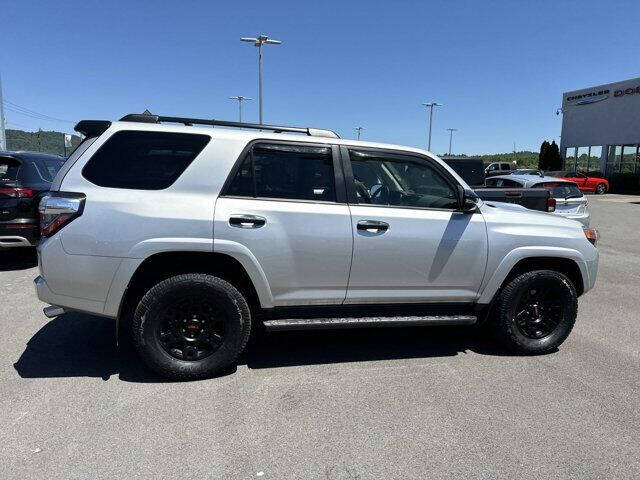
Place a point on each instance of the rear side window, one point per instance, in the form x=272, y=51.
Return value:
x=287, y=172
x=39, y=170
x=9, y=168
x=143, y=160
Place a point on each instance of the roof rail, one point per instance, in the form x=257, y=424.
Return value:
x=145, y=118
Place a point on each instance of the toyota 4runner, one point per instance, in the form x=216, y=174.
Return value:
x=192, y=235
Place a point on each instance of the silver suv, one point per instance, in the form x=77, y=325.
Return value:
x=195, y=236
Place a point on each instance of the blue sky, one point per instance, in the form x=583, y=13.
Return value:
x=499, y=67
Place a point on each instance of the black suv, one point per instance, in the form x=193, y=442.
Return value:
x=24, y=177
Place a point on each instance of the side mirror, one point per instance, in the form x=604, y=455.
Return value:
x=467, y=199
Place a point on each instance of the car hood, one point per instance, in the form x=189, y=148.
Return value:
x=509, y=213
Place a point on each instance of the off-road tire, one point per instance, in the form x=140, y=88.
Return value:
x=148, y=317
x=504, y=321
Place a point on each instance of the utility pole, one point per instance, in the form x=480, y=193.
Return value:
x=3, y=134
x=240, y=99
x=259, y=42
x=451, y=130
x=359, y=129
x=430, y=106
x=39, y=143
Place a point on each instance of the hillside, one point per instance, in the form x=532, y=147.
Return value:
x=43, y=141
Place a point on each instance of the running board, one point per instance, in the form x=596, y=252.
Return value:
x=365, y=322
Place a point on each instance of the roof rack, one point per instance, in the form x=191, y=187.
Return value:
x=145, y=118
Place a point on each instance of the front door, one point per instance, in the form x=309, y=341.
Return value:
x=286, y=206
x=411, y=243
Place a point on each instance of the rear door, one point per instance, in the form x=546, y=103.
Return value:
x=411, y=244
x=286, y=203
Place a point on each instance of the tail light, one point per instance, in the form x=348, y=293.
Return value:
x=17, y=192
x=57, y=209
x=551, y=204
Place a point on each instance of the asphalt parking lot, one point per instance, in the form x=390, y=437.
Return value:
x=390, y=403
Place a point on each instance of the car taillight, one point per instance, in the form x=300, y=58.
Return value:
x=57, y=209
x=551, y=204
x=17, y=192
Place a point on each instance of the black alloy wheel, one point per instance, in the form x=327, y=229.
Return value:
x=191, y=329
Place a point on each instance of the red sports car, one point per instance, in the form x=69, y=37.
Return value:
x=586, y=183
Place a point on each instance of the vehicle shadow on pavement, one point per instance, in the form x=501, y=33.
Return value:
x=17, y=259
x=82, y=345
x=285, y=349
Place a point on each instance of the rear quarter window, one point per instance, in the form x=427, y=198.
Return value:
x=143, y=160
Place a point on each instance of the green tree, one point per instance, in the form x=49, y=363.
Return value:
x=543, y=156
x=554, y=157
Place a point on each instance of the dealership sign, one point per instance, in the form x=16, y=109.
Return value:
x=599, y=95
x=626, y=91
x=589, y=97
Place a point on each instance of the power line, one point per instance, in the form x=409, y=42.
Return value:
x=27, y=112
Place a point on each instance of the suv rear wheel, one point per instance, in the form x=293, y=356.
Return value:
x=191, y=326
x=536, y=311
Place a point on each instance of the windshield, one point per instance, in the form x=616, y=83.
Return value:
x=561, y=189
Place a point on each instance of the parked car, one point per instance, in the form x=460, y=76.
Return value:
x=24, y=178
x=532, y=198
x=570, y=202
x=500, y=168
x=586, y=183
x=469, y=168
x=198, y=233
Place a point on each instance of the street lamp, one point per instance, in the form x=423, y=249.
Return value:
x=359, y=129
x=430, y=106
x=451, y=130
x=240, y=99
x=259, y=42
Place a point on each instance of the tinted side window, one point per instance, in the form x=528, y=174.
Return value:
x=286, y=171
x=400, y=182
x=9, y=168
x=39, y=170
x=143, y=160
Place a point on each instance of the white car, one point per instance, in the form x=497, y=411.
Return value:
x=570, y=201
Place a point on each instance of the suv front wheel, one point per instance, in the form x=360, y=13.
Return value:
x=536, y=311
x=191, y=326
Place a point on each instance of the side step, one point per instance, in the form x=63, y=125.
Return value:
x=365, y=322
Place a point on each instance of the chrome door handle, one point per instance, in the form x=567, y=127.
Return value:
x=247, y=221
x=373, y=226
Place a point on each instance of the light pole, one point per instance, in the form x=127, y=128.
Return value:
x=430, y=106
x=240, y=99
x=259, y=42
x=451, y=130
x=359, y=129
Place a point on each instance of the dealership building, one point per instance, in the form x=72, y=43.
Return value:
x=601, y=128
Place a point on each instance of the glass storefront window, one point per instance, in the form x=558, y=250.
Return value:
x=582, y=163
x=570, y=159
x=628, y=160
x=613, y=159
x=593, y=161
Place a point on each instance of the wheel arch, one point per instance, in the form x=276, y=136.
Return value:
x=160, y=266
x=569, y=263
